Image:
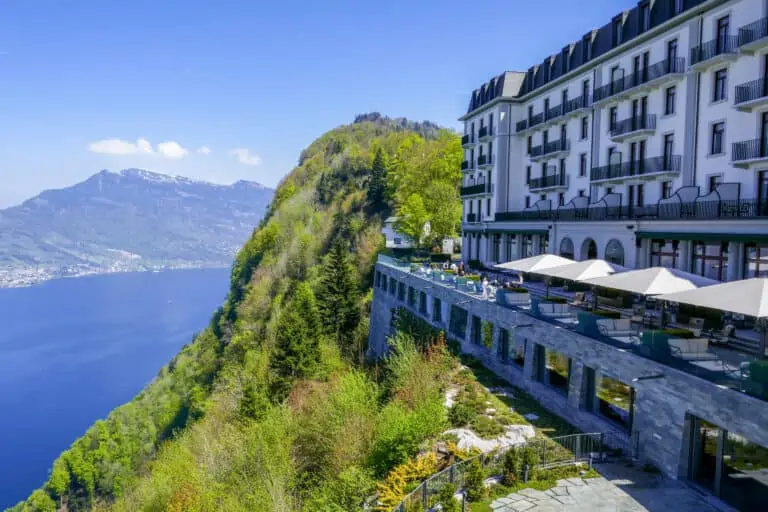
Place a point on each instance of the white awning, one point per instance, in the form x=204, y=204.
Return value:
x=582, y=270
x=748, y=297
x=534, y=264
x=652, y=281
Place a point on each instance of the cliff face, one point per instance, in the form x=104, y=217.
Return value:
x=268, y=409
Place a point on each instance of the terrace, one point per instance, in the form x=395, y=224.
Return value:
x=693, y=340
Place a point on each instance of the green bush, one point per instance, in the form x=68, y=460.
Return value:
x=516, y=289
x=473, y=481
x=679, y=333
x=446, y=499
x=557, y=300
x=486, y=427
x=461, y=415
x=512, y=467
x=472, y=278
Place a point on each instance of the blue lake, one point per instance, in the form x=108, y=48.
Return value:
x=71, y=350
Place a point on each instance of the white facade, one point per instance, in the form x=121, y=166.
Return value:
x=672, y=143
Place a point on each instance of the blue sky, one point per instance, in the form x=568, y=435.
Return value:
x=90, y=84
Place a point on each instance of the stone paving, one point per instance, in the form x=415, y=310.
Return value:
x=620, y=490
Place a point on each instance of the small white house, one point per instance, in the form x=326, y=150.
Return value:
x=395, y=239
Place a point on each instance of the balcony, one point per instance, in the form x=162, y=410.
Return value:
x=485, y=134
x=693, y=210
x=484, y=161
x=649, y=167
x=576, y=105
x=554, y=149
x=472, y=218
x=751, y=95
x=714, y=52
x=749, y=152
x=476, y=189
x=753, y=37
x=466, y=165
x=528, y=124
x=550, y=182
x=634, y=127
x=467, y=141
x=655, y=75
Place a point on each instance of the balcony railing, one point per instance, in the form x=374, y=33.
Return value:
x=643, y=76
x=713, y=48
x=553, y=180
x=751, y=91
x=633, y=124
x=575, y=104
x=694, y=210
x=536, y=120
x=467, y=139
x=521, y=126
x=554, y=146
x=749, y=150
x=470, y=190
x=472, y=217
x=465, y=165
x=553, y=112
x=670, y=163
x=483, y=132
x=755, y=31
x=483, y=159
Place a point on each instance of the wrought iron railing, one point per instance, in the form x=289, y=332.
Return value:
x=551, y=452
x=483, y=132
x=642, y=76
x=472, y=217
x=521, y=125
x=553, y=180
x=478, y=188
x=553, y=112
x=576, y=104
x=694, y=210
x=751, y=91
x=753, y=32
x=718, y=46
x=749, y=150
x=483, y=160
x=670, y=163
x=466, y=139
x=633, y=124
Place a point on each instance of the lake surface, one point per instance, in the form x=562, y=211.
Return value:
x=71, y=350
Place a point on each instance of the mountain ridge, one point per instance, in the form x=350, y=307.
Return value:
x=127, y=220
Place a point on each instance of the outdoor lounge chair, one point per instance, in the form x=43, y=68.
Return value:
x=722, y=336
x=696, y=324
x=578, y=300
x=555, y=310
x=616, y=328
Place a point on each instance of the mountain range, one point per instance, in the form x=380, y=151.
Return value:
x=129, y=220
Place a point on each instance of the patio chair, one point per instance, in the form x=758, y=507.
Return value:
x=696, y=325
x=638, y=313
x=578, y=300
x=722, y=336
x=616, y=328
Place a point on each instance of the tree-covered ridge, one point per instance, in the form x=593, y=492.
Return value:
x=272, y=406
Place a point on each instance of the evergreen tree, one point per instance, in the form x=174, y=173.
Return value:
x=377, y=187
x=338, y=295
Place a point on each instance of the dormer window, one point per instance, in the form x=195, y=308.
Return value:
x=564, y=61
x=617, y=29
x=586, y=48
x=645, y=17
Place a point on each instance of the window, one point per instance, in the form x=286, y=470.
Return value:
x=401, y=291
x=585, y=92
x=617, y=27
x=718, y=139
x=392, y=286
x=530, y=144
x=608, y=190
x=640, y=196
x=557, y=370
x=490, y=152
x=561, y=202
x=719, y=90
x=581, y=192
x=645, y=17
x=671, y=54
x=528, y=174
x=586, y=48
x=678, y=6
x=564, y=98
x=530, y=113
x=582, y=165
x=723, y=25
x=584, y=127
x=615, y=401
x=437, y=310
x=669, y=146
x=562, y=168
x=614, y=252
x=613, y=118
x=714, y=181
x=711, y=260
x=488, y=207
x=490, y=128
x=669, y=100
x=666, y=189
x=527, y=201
x=543, y=197
x=664, y=253
x=755, y=261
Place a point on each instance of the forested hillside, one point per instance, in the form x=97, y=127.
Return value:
x=273, y=407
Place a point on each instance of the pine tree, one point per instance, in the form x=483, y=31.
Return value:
x=378, y=184
x=338, y=295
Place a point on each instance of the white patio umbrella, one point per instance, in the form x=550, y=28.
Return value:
x=652, y=281
x=583, y=270
x=534, y=264
x=748, y=297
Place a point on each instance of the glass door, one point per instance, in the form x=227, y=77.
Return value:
x=762, y=193
x=764, y=134
x=705, y=443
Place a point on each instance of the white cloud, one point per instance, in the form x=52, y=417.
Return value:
x=143, y=146
x=171, y=149
x=245, y=157
x=204, y=150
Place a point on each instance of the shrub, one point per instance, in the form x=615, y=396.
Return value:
x=401, y=480
x=473, y=481
x=472, y=278
x=679, y=333
x=446, y=499
x=608, y=314
x=557, y=300
x=486, y=427
x=461, y=415
x=516, y=289
x=512, y=467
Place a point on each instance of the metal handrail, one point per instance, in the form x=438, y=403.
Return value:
x=751, y=91
x=713, y=48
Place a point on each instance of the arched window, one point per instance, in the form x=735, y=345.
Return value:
x=589, y=250
x=614, y=252
x=566, y=248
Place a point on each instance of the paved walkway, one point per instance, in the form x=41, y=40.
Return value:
x=620, y=490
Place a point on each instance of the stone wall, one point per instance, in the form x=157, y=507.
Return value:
x=662, y=406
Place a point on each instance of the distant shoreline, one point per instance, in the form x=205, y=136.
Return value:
x=26, y=278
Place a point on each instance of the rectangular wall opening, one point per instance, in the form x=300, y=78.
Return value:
x=458, y=322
